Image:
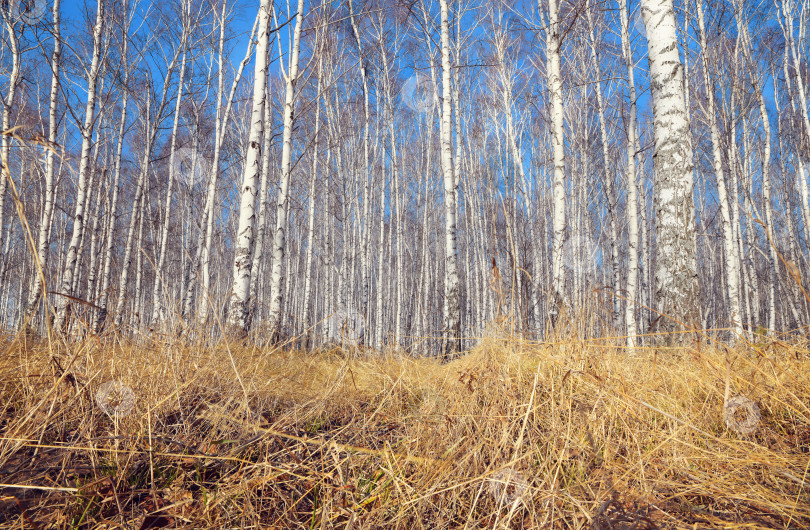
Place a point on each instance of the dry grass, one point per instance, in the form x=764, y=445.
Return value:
x=519, y=435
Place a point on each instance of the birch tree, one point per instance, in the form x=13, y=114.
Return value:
x=677, y=289
x=109, y=240
x=223, y=113
x=66, y=286
x=240, y=293
x=632, y=200
x=555, y=91
x=282, y=206
x=452, y=316
x=609, y=180
x=313, y=192
x=164, y=234
x=44, y=238
x=366, y=264
x=729, y=246
x=12, y=28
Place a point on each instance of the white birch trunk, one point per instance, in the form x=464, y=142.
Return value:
x=256, y=268
x=733, y=184
x=106, y=277
x=43, y=244
x=282, y=206
x=452, y=329
x=136, y=317
x=65, y=289
x=608, y=175
x=554, y=81
x=240, y=292
x=221, y=120
x=5, y=139
x=773, y=258
x=366, y=224
x=632, y=201
x=378, y=333
x=92, y=267
x=677, y=289
x=731, y=256
x=313, y=179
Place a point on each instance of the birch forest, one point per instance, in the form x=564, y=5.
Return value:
x=407, y=175
x=405, y=264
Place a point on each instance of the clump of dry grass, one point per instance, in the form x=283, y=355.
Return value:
x=514, y=434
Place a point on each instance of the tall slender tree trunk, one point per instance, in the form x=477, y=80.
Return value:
x=749, y=265
x=554, y=81
x=632, y=200
x=92, y=269
x=88, y=207
x=452, y=322
x=106, y=277
x=240, y=293
x=608, y=175
x=5, y=139
x=64, y=305
x=378, y=333
x=366, y=223
x=731, y=256
x=223, y=113
x=283, y=204
x=137, y=316
x=44, y=243
x=801, y=178
x=313, y=179
x=677, y=288
x=256, y=268
x=157, y=308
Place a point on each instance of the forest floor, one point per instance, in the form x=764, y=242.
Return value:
x=515, y=434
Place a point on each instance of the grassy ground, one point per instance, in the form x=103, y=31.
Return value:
x=513, y=435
